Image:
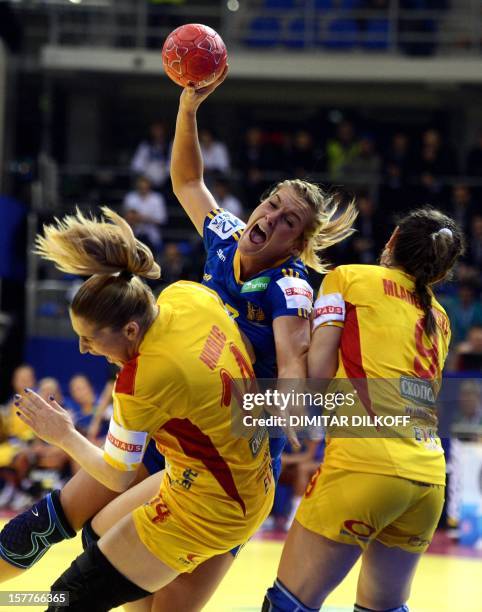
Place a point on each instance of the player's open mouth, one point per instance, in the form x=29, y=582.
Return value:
x=256, y=235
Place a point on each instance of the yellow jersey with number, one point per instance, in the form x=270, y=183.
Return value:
x=181, y=389
x=394, y=369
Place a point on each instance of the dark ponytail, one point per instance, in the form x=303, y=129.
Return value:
x=427, y=247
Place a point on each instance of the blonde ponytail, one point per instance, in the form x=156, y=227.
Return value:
x=108, y=252
x=83, y=245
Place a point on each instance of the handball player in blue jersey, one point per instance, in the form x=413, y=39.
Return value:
x=259, y=270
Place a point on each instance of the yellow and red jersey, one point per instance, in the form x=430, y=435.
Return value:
x=393, y=365
x=181, y=390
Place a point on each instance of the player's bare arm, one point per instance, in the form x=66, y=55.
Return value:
x=53, y=424
x=186, y=160
x=323, y=353
x=292, y=341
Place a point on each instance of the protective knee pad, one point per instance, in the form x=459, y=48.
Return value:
x=279, y=599
x=358, y=608
x=28, y=536
x=88, y=535
x=94, y=584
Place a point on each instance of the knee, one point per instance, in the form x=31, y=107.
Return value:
x=94, y=584
x=279, y=599
x=359, y=608
x=89, y=535
x=379, y=598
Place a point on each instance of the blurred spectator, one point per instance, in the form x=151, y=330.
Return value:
x=467, y=425
x=461, y=206
x=174, y=266
x=14, y=459
x=473, y=165
x=436, y=157
x=303, y=158
x=24, y=459
x=399, y=155
x=468, y=354
x=394, y=193
x=464, y=310
x=341, y=150
x=215, y=153
x=366, y=244
x=23, y=377
x=225, y=198
x=364, y=168
x=48, y=463
x=151, y=158
x=145, y=211
x=474, y=242
x=435, y=161
x=50, y=387
x=83, y=402
x=99, y=425
x=255, y=159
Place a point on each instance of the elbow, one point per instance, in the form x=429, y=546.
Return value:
x=177, y=184
x=180, y=184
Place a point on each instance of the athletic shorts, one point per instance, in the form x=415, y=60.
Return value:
x=356, y=508
x=182, y=543
x=153, y=460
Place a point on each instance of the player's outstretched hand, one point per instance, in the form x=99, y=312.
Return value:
x=191, y=97
x=48, y=420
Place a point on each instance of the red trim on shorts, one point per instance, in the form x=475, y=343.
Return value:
x=126, y=379
x=351, y=355
x=198, y=445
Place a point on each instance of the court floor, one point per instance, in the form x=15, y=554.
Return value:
x=444, y=583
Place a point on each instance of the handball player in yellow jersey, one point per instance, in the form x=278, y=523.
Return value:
x=179, y=358
x=375, y=496
x=264, y=284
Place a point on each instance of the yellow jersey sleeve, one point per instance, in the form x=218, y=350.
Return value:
x=146, y=389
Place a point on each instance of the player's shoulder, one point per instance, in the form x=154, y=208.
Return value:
x=345, y=279
x=127, y=381
x=291, y=268
x=149, y=374
x=223, y=225
x=356, y=271
x=188, y=296
x=290, y=286
x=353, y=275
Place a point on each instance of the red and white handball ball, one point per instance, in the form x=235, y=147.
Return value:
x=194, y=54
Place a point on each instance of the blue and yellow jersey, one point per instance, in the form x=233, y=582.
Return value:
x=282, y=290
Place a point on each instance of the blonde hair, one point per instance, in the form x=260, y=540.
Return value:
x=108, y=252
x=327, y=228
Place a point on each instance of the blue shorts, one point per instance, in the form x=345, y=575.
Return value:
x=276, y=446
x=153, y=460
